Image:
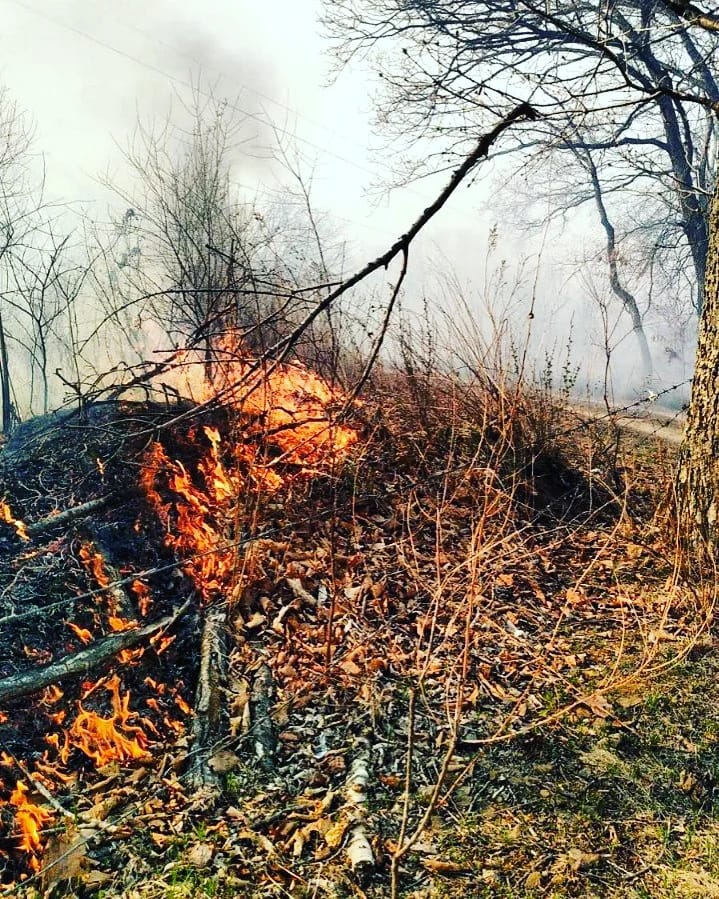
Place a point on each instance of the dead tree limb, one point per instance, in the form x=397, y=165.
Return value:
x=37, y=528
x=359, y=848
x=209, y=722
x=281, y=350
x=261, y=705
x=82, y=663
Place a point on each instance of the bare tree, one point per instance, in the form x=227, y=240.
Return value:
x=17, y=208
x=624, y=67
x=188, y=255
x=46, y=276
x=632, y=81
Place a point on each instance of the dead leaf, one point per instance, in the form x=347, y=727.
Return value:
x=335, y=834
x=578, y=859
x=438, y=866
x=65, y=856
x=533, y=881
x=224, y=761
x=94, y=880
x=200, y=855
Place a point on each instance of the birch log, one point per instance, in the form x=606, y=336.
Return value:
x=359, y=849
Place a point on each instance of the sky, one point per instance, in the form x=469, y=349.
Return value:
x=86, y=71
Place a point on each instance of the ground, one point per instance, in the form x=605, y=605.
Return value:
x=469, y=640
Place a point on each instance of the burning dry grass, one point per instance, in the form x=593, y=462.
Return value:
x=447, y=575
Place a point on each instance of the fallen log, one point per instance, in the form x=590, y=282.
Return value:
x=261, y=700
x=209, y=724
x=359, y=848
x=82, y=663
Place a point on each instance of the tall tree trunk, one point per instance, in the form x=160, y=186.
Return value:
x=6, y=418
x=698, y=477
x=627, y=299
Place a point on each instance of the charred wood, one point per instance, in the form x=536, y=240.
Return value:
x=61, y=519
x=83, y=662
x=261, y=700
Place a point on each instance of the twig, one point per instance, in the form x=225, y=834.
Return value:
x=394, y=865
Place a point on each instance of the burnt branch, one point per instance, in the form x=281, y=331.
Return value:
x=83, y=662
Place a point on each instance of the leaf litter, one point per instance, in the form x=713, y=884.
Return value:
x=532, y=643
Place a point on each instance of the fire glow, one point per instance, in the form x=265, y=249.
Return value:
x=281, y=427
x=283, y=423
x=105, y=740
x=7, y=517
x=29, y=821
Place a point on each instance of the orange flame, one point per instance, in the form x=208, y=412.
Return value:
x=82, y=633
x=283, y=408
x=7, y=516
x=94, y=563
x=291, y=405
x=144, y=596
x=104, y=740
x=29, y=820
x=197, y=529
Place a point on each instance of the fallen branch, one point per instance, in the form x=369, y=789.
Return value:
x=282, y=349
x=82, y=662
x=61, y=519
x=359, y=849
x=261, y=704
x=208, y=725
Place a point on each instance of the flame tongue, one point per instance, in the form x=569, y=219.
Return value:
x=105, y=740
x=284, y=414
x=29, y=821
x=7, y=516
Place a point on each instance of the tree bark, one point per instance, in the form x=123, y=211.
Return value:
x=698, y=475
x=5, y=397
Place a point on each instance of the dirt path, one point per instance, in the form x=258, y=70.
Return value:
x=667, y=426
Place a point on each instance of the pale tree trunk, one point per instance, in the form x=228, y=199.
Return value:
x=698, y=478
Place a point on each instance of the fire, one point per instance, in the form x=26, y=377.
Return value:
x=94, y=564
x=105, y=740
x=144, y=596
x=7, y=517
x=291, y=406
x=29, y=820
x=284, y=419
x=197, y=528
x=82, y=633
